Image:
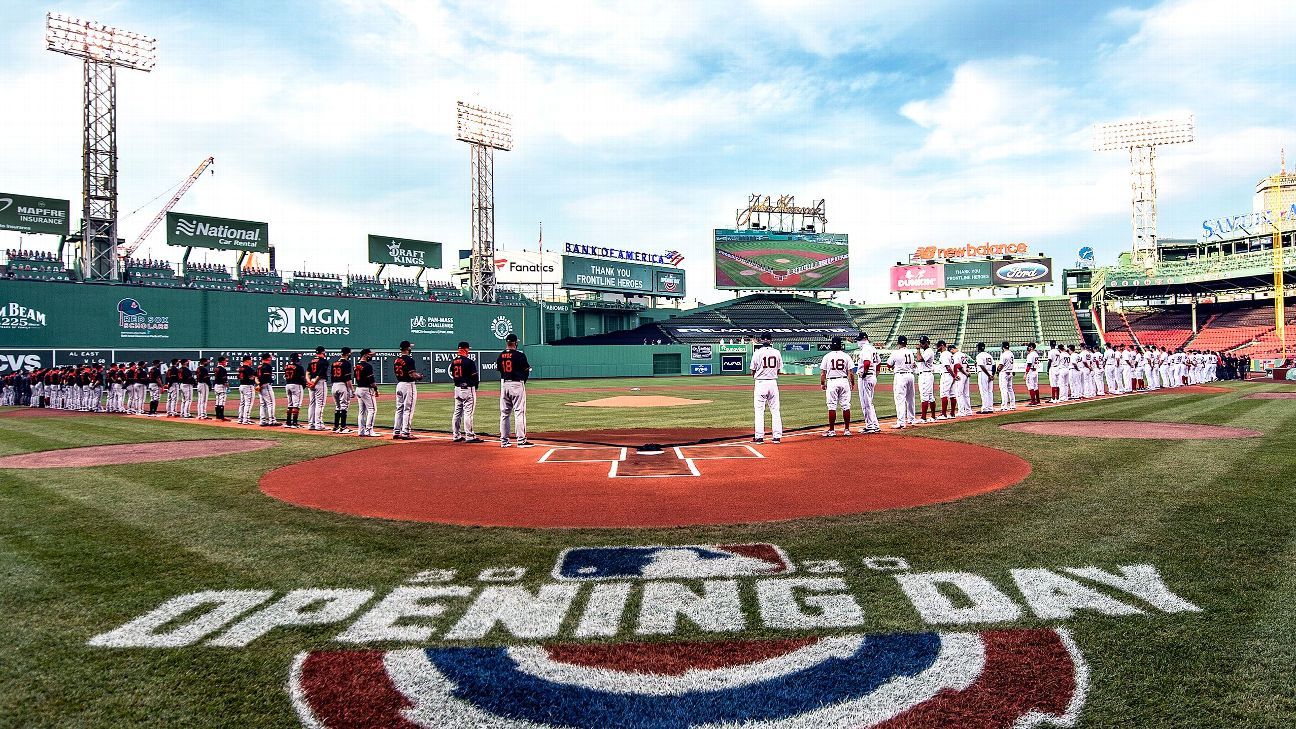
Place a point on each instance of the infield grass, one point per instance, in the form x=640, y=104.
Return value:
x=84, y=550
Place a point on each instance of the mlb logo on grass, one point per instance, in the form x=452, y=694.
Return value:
x=689, y=561
x=281, y=320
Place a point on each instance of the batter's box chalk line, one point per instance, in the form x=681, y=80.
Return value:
x=685, y=464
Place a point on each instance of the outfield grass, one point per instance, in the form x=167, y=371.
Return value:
x=84, y=550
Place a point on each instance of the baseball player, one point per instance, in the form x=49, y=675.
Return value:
x=1032, y=375
x=514, y=371
x=341, y=372
x=247, y=382
x=902, y=362
x=962, y=382
x=766, y=366
x=220, y=386
x=38, y=388
x=1097, y=374
x=135, y=388
x=1089, y=367
x=317, y=372
x=834, y=379
x=187, y=383
x=866, y=367
x=985, y=365
x=462, y=371
x=1075, y=372
x=1111, y=360
x=1127, y=368
x=926, y=365
x=154, y=386
x=173, y=389
x=265, y=390
x=1051, y=357
x=204, y=379
x=406, y=391
x=294, y=388
x=1007, y=395
x=945, y=365
x=366, y=391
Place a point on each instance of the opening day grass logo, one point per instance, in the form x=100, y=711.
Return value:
x=593, y=644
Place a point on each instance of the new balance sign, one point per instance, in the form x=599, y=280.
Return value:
x=201, y=231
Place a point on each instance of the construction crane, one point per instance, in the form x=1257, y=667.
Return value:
x=157, y=220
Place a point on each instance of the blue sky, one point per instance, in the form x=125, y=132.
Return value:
x=645, y=125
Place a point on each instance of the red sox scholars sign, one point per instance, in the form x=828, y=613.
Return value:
x=537, y=667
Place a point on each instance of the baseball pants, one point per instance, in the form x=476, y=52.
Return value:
x=173, y=399
x=1099, y=387
x=1112, y=385
x=1052, y=379
x=368, y=409
x=1075, y=380
x=838, y=394
x=766, y=395
x=406, y=398
x=222, y=396
x=902, y=392
x=154, y=391
x=926, y=386
x=1032, y=380
x=186, y=399
x=246, y=394
x=293, y=393
x=867, y=386
x=118, y=399
x=203, y=390
x=342, y=395
x=512, y=403
x=318, y=394
x=38, y=391
x=963, y=394
x=1087, y=381
x=1006, y=393
x=1127, y=379
x=985, y=387
x=1164, y=371
x=266, y=394
x=1154, y=382
x=465, y=406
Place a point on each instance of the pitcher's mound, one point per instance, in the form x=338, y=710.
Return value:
x=1131, y=429
x=638, y=401
x=115, y=455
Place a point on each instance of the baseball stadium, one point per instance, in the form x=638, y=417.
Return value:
x=544, y=491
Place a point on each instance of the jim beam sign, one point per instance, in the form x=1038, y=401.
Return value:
x=201, y=231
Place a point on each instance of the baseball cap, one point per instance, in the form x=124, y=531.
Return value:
x=766, y=336
x=837, y=341
x=863, y=334
x=346, y=350
x=511, y=338
x=463, y=345
x=365, y=351
x=902, y=339
x=319, y=350
x=923, y=339
x=405, y=344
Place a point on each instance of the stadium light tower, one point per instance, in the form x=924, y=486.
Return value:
x=103, y=48
x=1141, y=137
x=485, y=131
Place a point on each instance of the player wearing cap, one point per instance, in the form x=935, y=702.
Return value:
x=265, y=391
x=173, y=389
x=1051, y=358
x=366, y=392
x=202, y=376
x=294, y=387
x=901, y=363
x=926, y=366
x=1007, y=396
x=866, y=366
x=985, y=365
x=220, y=385
x=317, y=373
x=1032, y=374
x=514, y=370
x=154, y=386
x=187, y=384
x=834, y=379
x=463, y=373
x=962, y=382
x=340, y=374
x=247, y=381
x=766, y=366
x=945, y=381
x=406, y=391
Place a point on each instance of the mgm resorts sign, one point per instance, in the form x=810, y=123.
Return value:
x=227, y=234
x=384, y=249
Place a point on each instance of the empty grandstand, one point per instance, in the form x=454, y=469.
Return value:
x=209, y=276
x=315, y=284
x=788, y=318
x=965, y=323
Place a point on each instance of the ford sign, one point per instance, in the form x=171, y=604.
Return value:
x=1011, y=273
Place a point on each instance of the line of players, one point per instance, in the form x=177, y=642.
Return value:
x=1074, y=373
x=184, y=391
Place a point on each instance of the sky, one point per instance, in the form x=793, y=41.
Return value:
x=646, y=125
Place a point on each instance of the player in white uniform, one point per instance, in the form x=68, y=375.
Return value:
x=1007, y=395
x=926, y=367
x=866, y=366
x=1089, y=366
x=1127, y=368
x=985, y=378
x=962, y=383
x=835, y=378
x=945, y=372
x=1097, y=374
x=1032, y=374
x=902, y=362
x=1051, y=357
x=1212, y=368
x=1075, y=373
x=766, y=365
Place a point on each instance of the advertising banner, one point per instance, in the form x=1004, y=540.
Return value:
x=621, y=277
x=764, y=259
x=226, y=234
x=27, y=214
x=733, y=348
x=404, y=252
x=917, y=278
x=731, y=363
x=16, y=360
x=700, y=351
x=968, y=275
x=700, y=369
x=526, y=267
x=1032, y=272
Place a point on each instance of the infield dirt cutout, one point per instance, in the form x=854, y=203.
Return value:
x=638, y=401
x=1271, y=396
x=1131, y=429
x=127, y=453
x=600, y=480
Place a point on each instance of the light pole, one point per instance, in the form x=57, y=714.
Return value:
x=485, y=131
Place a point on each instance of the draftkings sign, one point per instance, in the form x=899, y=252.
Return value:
x=391, y=251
